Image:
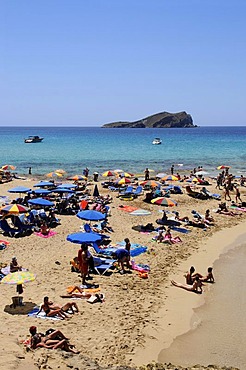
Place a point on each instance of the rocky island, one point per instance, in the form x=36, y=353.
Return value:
x=158, y=120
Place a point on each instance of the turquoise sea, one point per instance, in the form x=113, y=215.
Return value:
x=74, y=148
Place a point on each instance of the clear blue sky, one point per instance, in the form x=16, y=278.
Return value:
x=90, y=62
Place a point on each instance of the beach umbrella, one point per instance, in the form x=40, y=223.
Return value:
x=150, y=183
x=18, y=277
x=62, y=190
x=60, y=170
x=223, y=167
x=108, y=174
x=54, y=174
x=201, y=173
x=77, y=178
x=140, y=212
x=95, y=191
x=91, y=215
x=14, y=209
x=123, y=180
x=162, y=201
x=80, y=238
x=161, y=174
x=43, y=184
x=41, y=202
x=19, y=189
x=40, y=191
x=118, y=170
x=7, y=167
x=126, y=174
x=195, y=180
x=169, y=178
x=68, y=186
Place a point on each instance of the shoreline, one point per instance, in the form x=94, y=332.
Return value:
x=182, y=322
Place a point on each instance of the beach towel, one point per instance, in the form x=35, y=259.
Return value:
x=87, y=290
x=136, y=249
x=128, y=208
x=41, y=315
x=51, y=233
x=181, y=230
x=140, y=267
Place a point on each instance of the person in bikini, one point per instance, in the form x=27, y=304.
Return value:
x=54, y=340
x=52, y=309
x=196, y=287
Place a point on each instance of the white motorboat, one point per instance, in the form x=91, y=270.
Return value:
x=157, y=141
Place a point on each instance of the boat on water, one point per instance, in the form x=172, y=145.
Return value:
x=157, y=141
x=33, y=139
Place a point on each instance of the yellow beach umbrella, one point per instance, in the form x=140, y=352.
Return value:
x=54, y=174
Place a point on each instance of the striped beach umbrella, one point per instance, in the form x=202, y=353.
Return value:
x=60, y=170
x=54, y=174
x=123, y=180
x=108, y=174
x=169, y=178
x=77, y=178
x=14, y=209
x=162, y=201
x=150, y=183
x=7, y=167
x=18, y=277
x=223, y=167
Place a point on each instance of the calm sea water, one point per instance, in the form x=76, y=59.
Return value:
x=73, y=148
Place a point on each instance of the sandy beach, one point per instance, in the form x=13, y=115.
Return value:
x=140, y=318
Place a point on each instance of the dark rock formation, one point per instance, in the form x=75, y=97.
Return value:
x=159, y=120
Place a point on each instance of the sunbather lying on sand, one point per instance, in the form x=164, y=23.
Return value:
x=77, y=292
x=52, y=309
x=196, y=287
x=54, y=340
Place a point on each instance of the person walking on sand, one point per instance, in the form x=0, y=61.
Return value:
x=227, y=192
x=237, y=195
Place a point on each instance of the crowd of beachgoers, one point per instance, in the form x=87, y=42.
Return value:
x=104, y=247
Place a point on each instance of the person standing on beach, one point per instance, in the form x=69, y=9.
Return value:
x=237, y=194
x=83, y=262
x=146, y=174
x=172, y=169
x=128, y=248
x=30, y=170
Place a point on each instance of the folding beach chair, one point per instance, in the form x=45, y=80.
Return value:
x=102, y=265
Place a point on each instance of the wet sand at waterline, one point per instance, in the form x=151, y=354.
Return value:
x=219, y=332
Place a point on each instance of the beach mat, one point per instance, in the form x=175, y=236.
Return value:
x=180, y=229
x=136, y=249
x=51, y=233
x=128, y=208
x=41, y=315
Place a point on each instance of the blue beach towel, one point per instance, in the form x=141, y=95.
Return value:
x=41, y=315
x=136, y=249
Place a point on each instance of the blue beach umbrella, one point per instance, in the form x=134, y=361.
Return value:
x=62, y=190
x=80, y=238
x=68, y=186
x=91, y=215
x=40, y=191
x=41, y=202
x=19, y=189
x=43, y=183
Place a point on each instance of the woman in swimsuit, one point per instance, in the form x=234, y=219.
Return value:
x=50, y=310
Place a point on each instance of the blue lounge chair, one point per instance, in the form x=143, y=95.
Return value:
x=17, y=223
x=10, y=231
x=138, y=191
x=129, y=190
x=103, y=265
